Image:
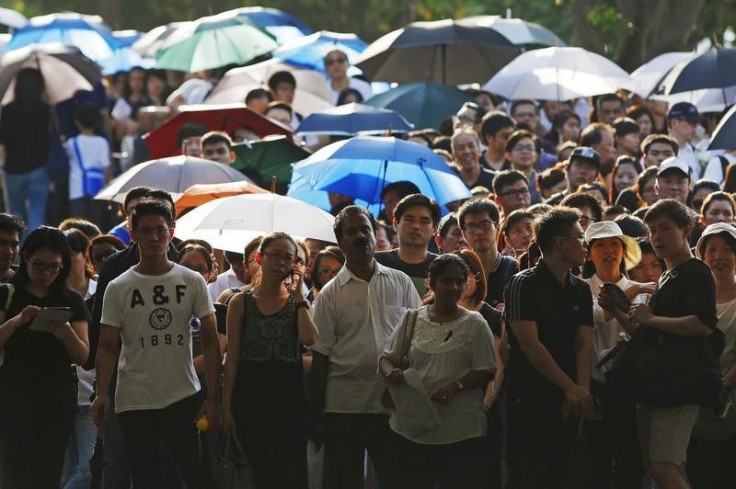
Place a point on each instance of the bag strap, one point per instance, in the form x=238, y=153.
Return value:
x=78, y=154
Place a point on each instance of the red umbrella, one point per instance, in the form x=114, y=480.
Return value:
x=227, y=117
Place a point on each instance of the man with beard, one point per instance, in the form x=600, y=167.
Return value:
x=11, y=232
x=582, y=167
x=355, y=312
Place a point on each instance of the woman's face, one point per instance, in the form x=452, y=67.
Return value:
x=570, y=130
x=99, y=253
x=718, y=211
x=470, y=285
x=719, y=256
x=136, y=81
x=625, y=177
x=449, y=285
x=645, y=125
x=648, y=270
x=155, y=86
x=606, y=254
x=43, y=267
x=519, y=235
x=382, y=242
x=328, y=268
x=194, y=260
x=630, y=143
x=278, y=259
x=648, y=194
x=252, y=265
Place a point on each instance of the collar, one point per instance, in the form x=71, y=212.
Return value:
x=544, y=270
x=596, y=283
x=345, y=275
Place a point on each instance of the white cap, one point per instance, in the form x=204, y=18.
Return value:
x=674, y=163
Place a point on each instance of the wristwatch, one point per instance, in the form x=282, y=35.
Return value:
x=302, y=304
x=459, y=385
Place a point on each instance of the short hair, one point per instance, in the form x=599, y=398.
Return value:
x=509, y=222
x=659, y=139
x=342, y=97
x=539, y=209
x=632, y=226
x=420, y=200
x=194, y=241
x=555, y=223
x=78, y=242
x=89, y=228
x=505, y=178
x=608, y=97
x=162, y=195
x=87, y=115
x=614, y=210
x=464, y=131
x=623, y=126
x=717, y=196
x=233, y=257
x=214, y=137
x=475, y=267
x=190, y=130
x=517, y=103
x=593, y=186
x=281, y=77
x=670, y=209
x=101, y=239
x=478, y=206
x=442, y=143
x=583, y=200
x=133, y=194
x=550, y=177
x=12, y=224
x=704, y=184
x=351, y=211
x=591, y=135
x=206, y=254
x=520, y=134
x=479, y=111
x=446, y=224
x=402, y=189
x=277, y=104
x=258, y=93
x=151, y=208
x=493, y=122
x=252, y=246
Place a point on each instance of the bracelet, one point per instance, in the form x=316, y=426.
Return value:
x=301, y=304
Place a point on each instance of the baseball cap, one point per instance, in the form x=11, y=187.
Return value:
x=586, y=153
x=715, y=228
x=684, y=110
x=674, y=163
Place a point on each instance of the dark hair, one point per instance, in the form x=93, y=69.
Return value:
x=423, y=134
x=277, y=104
x=29, y=88
x=331, y=252
x=102, y=239
x=87, y=115
x=558, y=124
x=728, y=238
x=549, y=178
x=351, y=211
x=587, y=188
x=621, y=160
x=632, y=226
x=206, y=254
x=624, y=125
x=214, y=137
x=645, y=176
x=135, y=193
x=715, y=197
x=477, y=206
x=670, y=209
x=520, y=134
x=281, y=77
x=476, y=268
x=258, y=93
x=658, y=139
x=583, y=200
x=517, y=103
x=253, y=245
x=161, y=195
x=190, y=130
x=493, y=122
x=505, y=178
x=591, y=135
x=555, y=223
x=195, y=241
x=608, y=97
x=78, y=243
x=48, y=238
x=402, y=189
x=89, y=229
x=446, y=224
x=509, y=222
x=443, y=143
x=12, y=224
x=442, y=263
x=233, y=257
x=342, y=98
x=127, y=92
x=277, y=236
x=420, y=200
x=729, y=180
x=636, y=111
x=704, y=184
x=614, y=210
x=151, y=208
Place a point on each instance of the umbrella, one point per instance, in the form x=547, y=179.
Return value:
x=11, y=18
x=125, y=59
x=282, y=26
x=724, y=137
x=153, y=40
x=231, y=222
x=557, y=74
x=86, y=32
x=706, y=100
x=127, y=37
x=362, y=166
x=309, y=52
x=425, y=105
x=228, y=117
x=712, y=69
x=174, y=174
x=646, y=78
x=443, y=51
x=199, y=194
x=213, y=42
x=527, y=35
x=64, y=69
x=352, y=119
x=311, y=88
x=264, y=160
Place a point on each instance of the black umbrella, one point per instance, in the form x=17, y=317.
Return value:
x=715, y=68
x=724, y=137
x=442, y=51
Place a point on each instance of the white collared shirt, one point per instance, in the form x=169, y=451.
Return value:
x=226, y=280
x=355, y=318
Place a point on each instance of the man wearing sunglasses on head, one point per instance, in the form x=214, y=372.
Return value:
x=336, y=66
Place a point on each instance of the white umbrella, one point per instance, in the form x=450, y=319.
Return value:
x=311, y=87
x=153, y=40
x=11, y=18
x=646, y=78
x=706, y=100
x=557, y=73
x=231, y=222
x=174, y=174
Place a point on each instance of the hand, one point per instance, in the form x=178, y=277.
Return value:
x=445, y=394
x=646, y=288
x=394, y=376
x=209, y=411
x=227, y=422
x=577, y=400
x=297, y=278
x=100, y=407
x=606, y=301
x=60, y=330
x=28, y=314
x=640, y=313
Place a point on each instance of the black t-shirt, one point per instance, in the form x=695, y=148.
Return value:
x=24, y=133
x=504, y=268
x=485, y=179
x=493, y=318
x=417, y=272
x=36, y=359
x=686, y=290
x=558, y=309
x=628, y=199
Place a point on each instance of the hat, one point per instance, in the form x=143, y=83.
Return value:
x=684, y=110
x=674, y=163
x=715, y=228
x=609, y=229
x=586, y=153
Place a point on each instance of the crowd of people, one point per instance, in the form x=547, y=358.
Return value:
x=487, y=348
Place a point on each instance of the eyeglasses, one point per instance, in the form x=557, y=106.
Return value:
x=481, y=226
x=332, y=61
x=41, y=266
x=585, y=220
x=530, y=148
x=515, y=193
x=327, y=272
x=282, y=257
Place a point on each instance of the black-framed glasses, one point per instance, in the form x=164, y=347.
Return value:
x=481, y=226
x=515, y=193
x=41, y=266
x=282, y=257
x=327, y=272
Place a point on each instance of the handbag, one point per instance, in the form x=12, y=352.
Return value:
x=8, y=300
x=232, y=469
x=57, y=160
x=93, y=179
x=410, y=321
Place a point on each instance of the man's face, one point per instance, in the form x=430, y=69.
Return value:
x=523, y=155
x=682, y=130
x=219, y=152
x=630, y=143
x=190, y=147
x=527, y=114
x=497, y=144
x=514, y=196
x=657, y=153
x=129, y=211
x=357, y=240
x=153, y=235
x=390, y=199
x=415, y=227
x=606, y=148
x=573, y=248
x=9, y=242
x=672, y=185
x=466, y=152
x=666, y=237
x=610, y=110
x=580, y=172
x=284, y=92
x=336, y=65
x=480, y=232
x=485, y=101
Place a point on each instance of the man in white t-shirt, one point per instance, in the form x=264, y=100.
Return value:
x=336, y=66
x=148, y=310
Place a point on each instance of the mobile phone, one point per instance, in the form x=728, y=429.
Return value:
x=619, y=297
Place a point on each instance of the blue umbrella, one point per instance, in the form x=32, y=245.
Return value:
x=352, y=119
x=309, y=52
x=281, y=25
x=85, y=32
x=127, y=37
x=125, y=59
x=362, y=166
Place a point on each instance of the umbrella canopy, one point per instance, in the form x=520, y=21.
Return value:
x=425, y=105
x=150, y=43
x=85, y=32
x=125, y=59
x=309, y=52
x=311, y=88
x=228, y=117
x=557, y=74
x=230, y=223
x=175, y=175
x=199, y=194
x=263, y=160
x=443, y=51
x=527, y=35
x=352, y=119
x=724, y=137
x=712, y=69
x=362, y=166
x=11, y=18
x=706, y=100
x=282, y=26
x=213, y=42
x=127, y=37
x=64, y=69
x=646, y=78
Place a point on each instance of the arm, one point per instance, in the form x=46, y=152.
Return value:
x=108, y=352
x=500, y=345
x=211, y=353
x=235, y=313
x=7, y=328
x=690, y=325
x=199, y=359
x=584, y=355
x=74, y=337
x=307, y=330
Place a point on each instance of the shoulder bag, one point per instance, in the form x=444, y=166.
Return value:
x=410, y=322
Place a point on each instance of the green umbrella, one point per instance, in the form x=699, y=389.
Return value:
x=263, y=160
x=213, y=42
